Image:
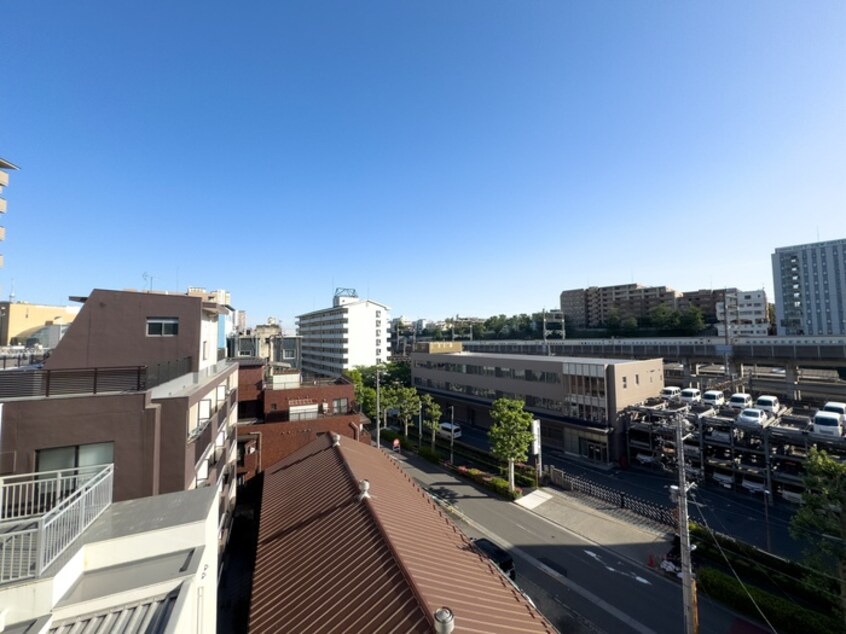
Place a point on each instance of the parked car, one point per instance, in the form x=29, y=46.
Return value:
x=740, y=400
x=753, y=417
x=836, y=408
x=691, y=395
x=769, y=404
x=497, y=555
x=827, y=423
x=449, y=430
x=714, y=398
x=671, y=393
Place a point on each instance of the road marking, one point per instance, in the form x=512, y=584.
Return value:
x=583, y=592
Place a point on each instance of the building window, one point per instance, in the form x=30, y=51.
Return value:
x=340, y=406
x=162, y=326
x=205, y=350
x=625, y=382
x=74, y=456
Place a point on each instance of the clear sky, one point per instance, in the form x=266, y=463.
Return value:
x=441, y=157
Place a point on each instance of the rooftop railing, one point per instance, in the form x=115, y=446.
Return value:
x=43, y=383
x=42, y=514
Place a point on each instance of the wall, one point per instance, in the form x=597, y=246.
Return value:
x=320, y=394
x=16, y=318
x=111, y=330
x=130, y=421
x=250, y=393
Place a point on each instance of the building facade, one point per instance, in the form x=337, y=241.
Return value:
x=20, y=321
x=134, y=382
x=743, y=314
x=5, y=168
x=591, y=307
x=577, y=400
x=353, y=332
x=809, y=281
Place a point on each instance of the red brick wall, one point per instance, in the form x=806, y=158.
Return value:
x=249, y=382
x=316, y=393
x=278, y=440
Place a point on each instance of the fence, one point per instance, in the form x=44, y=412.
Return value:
x=41, y=514
x=655, y=512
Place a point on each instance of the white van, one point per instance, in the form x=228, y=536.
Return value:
x=836, y=408
x=449, y=430
x=827, y=424
x=714, y=398
x=671, y=393
x=691, y=395
x=769, y=404
x=740, y=400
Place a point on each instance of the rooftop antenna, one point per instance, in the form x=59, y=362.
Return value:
x=148, y=279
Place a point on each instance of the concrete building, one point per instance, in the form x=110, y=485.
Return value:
x=591, y=307
x=810, y=288
x=269, y=342
x=353, y=332
x=134, y=382
x=743, y=314
x=5, y=168
x=577, y=400
x=20, y=320
x=141, y=566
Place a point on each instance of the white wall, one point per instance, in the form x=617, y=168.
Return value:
x=367, y=323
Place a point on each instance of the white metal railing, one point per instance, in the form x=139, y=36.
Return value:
x=41, y=514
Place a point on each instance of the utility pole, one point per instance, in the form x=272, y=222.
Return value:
x=451, y=433
x=691, y=617
x=378, y=417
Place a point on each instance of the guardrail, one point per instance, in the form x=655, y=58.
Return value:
x=660, y=514
x=41, y=514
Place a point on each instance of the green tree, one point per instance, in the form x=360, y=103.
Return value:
x=629, y=325
x=613, y=320
x=511, y=433
x=432, y=413
x=408, y=404
x=663, y=317
x=691, y=321
x=821, y=520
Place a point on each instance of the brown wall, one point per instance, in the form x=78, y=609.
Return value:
x=279, y=440
x=111, y=330
x=317, y=393
x=130, y=421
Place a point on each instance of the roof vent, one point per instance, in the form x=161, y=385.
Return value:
x=364, y=487
x=444, y=621
x=336, y=440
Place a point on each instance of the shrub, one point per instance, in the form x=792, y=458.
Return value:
x=789, y=617
x=427, y=454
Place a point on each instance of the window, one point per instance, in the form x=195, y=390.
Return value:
x=74, y=456
x=625, y=381
x=205, y=350
x=162, y=326
x=340, y=406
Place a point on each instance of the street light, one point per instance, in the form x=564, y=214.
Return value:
x=451, y=432
x=767, y=518
x=419, y=425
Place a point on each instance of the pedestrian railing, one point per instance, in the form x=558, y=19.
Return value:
x=661, y=514
x=41, y=514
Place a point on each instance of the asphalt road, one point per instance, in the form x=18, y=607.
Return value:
x=584, y=577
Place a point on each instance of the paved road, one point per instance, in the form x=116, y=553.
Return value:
x=613, y=592
x=738, y=514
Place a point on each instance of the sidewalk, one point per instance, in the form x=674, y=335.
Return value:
x=641, y=542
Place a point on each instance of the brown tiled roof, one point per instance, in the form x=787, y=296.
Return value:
x=327, y=562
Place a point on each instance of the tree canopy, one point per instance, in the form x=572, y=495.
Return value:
x=511, y=433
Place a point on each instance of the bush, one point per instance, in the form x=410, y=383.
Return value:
x=789, y=617
x=427, y=454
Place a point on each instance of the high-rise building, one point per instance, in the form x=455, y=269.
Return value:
x=810, y=288
x=353, y=332
x=5, y=167
x=744, y=313
x=591, y=307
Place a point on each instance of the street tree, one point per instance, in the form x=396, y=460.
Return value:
x=408, y=404
x=821, y=519
x=432, y=412
x=511, y=433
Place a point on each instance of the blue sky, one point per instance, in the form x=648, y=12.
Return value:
x=443, y=158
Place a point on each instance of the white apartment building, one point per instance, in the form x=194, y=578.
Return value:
x=745, y=312
x=353, y=332
x=810, y=288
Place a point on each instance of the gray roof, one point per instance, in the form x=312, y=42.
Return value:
x=5, y=165
x=149, y=616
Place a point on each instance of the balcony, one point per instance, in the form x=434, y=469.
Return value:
x=42, y=514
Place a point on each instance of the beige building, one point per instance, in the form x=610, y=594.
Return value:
x=5, y=168
x=19, y=319
x=577, y=400
x=591, y=307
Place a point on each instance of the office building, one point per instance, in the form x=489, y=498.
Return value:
x=353, y=332
x=809, y=281
x=577, y=400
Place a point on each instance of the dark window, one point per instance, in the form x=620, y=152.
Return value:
x=162, y=326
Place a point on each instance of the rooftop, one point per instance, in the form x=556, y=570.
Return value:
x=329, y=559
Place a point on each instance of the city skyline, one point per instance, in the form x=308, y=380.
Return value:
x=470, y=159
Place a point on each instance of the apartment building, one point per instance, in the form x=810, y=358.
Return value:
x=5, y=168
x=134, y=382
x=809, y=281
x=743, y=314
x=353, y=332
x=591, y=307
x=266, y=341
x=577, y=400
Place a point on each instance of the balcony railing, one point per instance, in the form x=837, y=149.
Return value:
x=41, y=514
x=38, y=383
